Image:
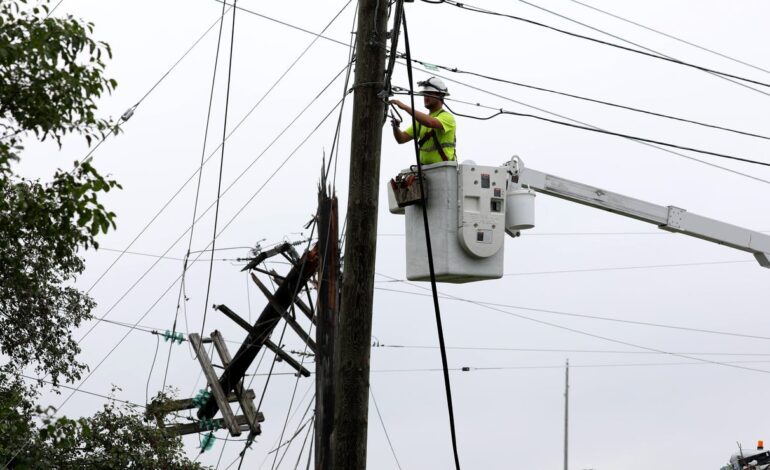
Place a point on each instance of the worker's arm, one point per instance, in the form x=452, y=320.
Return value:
x=400, y=136
x=422, y=118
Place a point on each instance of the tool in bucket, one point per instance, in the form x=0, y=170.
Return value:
x=406, y=188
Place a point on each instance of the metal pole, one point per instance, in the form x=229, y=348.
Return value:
x=566, y=414
x=355, y=319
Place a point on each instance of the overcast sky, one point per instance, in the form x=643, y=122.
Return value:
x=630, y=409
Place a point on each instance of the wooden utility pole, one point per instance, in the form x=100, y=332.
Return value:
x=566, y=414
x=326, y=325
x=355, y=320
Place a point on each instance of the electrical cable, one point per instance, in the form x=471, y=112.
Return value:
x=591, y=100
x=617, y=268
x=436, y=306
x=310, y=431
x=585, y=316
x=601, y=337
x=562, y=116
x=679, y=154
x=237, y=126
x=197, y=196
x=501, y=111
x=670, y=36
x=130, y=112
x=587, y=366
x=384, y=429
x=560, y=350
x=254, y=161
x=221, y=170
x=289, y=25
x=334, y=153
x=152, y=367
x=221, y=231
x=736, y=82
x=475, y=9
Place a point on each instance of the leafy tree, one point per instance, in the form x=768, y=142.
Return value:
x=115, y=437
x=41, y=228
x=51, y=75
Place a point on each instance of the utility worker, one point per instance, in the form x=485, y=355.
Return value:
x=436, y=130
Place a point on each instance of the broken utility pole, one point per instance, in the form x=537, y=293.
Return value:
x=326, y=325
x=355, y=319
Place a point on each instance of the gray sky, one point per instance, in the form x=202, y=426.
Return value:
x=632, y=416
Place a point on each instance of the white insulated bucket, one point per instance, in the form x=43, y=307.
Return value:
x=520, y=209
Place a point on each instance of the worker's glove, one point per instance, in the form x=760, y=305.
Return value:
x=395, y=122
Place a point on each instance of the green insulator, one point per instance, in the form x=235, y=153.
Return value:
x=166, y=335
x=207, y=442
x=179, y=337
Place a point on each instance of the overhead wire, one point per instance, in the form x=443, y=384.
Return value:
x=468, y=7
x=562, y=116
x=130, y=111
x=431, y=269
x=501, y=111
x=221, y=171
x=670, y=36
x=232, y=183
x=602, y=337
x=235, y=128
x=459, y=82
x=112, y=350
x=585, y=316
x=591, y=100
x=562, y=350
x=182, y=294
x=384, y=429
x=572, y=20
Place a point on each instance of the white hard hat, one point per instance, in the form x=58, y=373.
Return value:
x=433, y=85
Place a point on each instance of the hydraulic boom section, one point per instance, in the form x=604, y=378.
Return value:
x=669, y=218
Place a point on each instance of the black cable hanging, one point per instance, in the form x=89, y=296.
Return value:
x=472, y=8
x=436, y=307
x=182, y=290
x=221, y=167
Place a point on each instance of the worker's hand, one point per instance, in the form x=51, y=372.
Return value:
x=399, y=104
x=395, y=122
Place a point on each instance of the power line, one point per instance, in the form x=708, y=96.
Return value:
x=587, y=366
x=237, y=126
x=123, y=296
x=163, y=77
x=384, y=429
x=670, y=36
x=472, y=8
x=578, y=315
x=560, y=350
x=591, y=100
x=182, y=292
x=130, y=111
x=562, y=116
x=736, y=82
x=221, y=171
x=667, y=150
x=501, y=111
x=109, y=353
x=601, y=337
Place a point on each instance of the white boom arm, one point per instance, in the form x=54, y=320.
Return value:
x=669, y=218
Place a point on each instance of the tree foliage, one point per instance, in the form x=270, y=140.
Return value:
x=41, y=228
x=51, y=75
x=115, y=437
